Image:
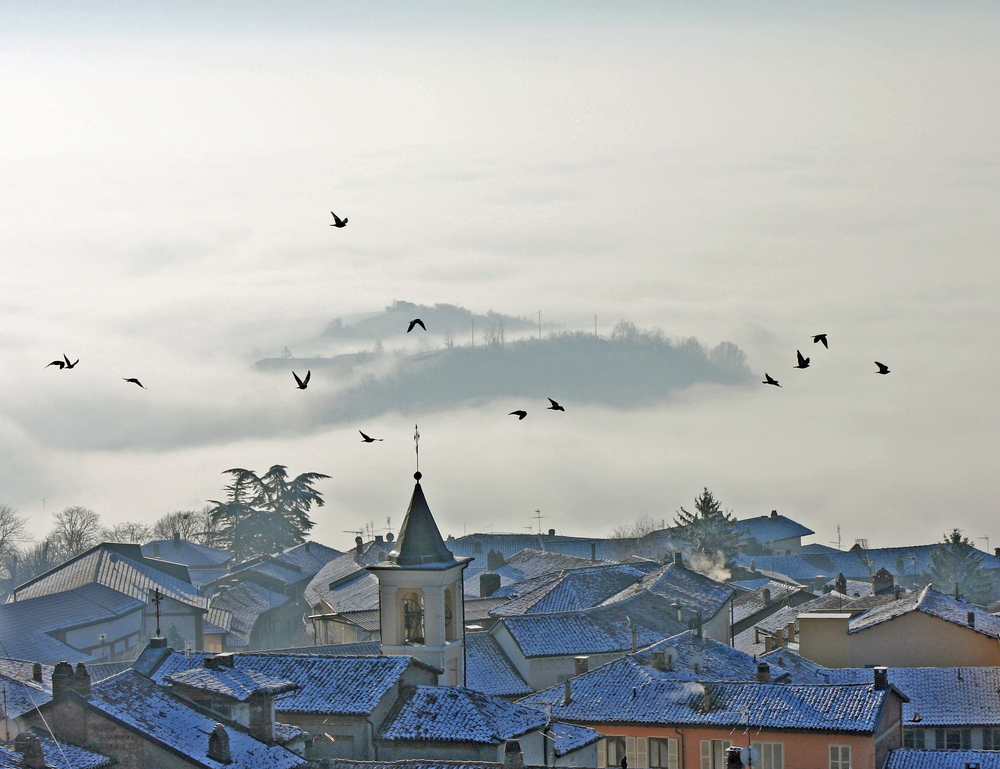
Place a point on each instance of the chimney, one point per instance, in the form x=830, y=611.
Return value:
x=177, y=539
x=156, y=550
x=818, y=582
x=840, y=584
x=895, y=592
x=489, y=583
x=552, y=532
x=635, y=637
x=774, y=513
x=81, y=681
x=790, y=632
x=218, y=745
x=697, y=625
x=513, y=758
x=378, y=539
x=494, y=560
x=996, y=552
x=779, y=637
x=593, y=552
x=678, y=559
x=677, y=610
x=882, y=582
x=957, y=596
x=971, y=619
x=768, y=644
x=766, y=594
x=62, y=679
x=261, y=713
x=567, y=693
x=30, y=748
x=881, y=679
x=763, y=673
x=706, y=700
x=359, y=545
x=580, y=665
x=36, y=672
x=659, y=660
x=307, y=544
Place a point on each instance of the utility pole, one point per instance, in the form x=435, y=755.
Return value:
x=539, y=324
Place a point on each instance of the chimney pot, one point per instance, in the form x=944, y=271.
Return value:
x=697, y=625
x=567, y=693
x=177, y=539
x=36, y=672
x=790, y=631
x=971, y=617
x=996, y=552
x=218, y=745
x=62, y=678
x=513, y=758
x=763, y=673
x=580, y=664
x=779, y=637
x=30, y=748
x=881, y=678
x=552, y=532
x=635, y=639
x=766, y=594
x=774, y=513
x=156, y=550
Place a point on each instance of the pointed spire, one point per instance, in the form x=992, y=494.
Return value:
x=419, y=542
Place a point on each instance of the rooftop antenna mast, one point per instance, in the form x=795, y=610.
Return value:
x=838, y=537
x=538, y=516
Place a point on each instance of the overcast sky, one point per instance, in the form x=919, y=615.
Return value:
x=748, y=176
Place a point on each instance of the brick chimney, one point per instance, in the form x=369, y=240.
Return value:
x=840, y=584
x=580, y=664
x=261, y=707
x=790, y=632
x=489, y=583
x=763, y=673
x=81, y=681
x=30, y=748
x=513, y=758
x=882, y=582
x=218, y=745
x=779, y=637
x=62, y=679
x=881, y=679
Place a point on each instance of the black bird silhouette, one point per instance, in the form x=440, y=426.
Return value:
x=882, y=368
x=303, y=383
x=337, y=221
x=58, y=363
x=416, y=322
x=821, y=338
x=519, y=414
x=555, y=406
x=133, y=380
x=803, y=362
x=68, y=364
x=769, y=380
x=366, y=439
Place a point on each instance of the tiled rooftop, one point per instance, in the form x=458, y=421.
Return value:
x=137, y=703
x=769, y=528
x=931, y=602
x=458, y=714
x=943, y=759
x=233, y=684
x=573, y=590
x=190, y=554
x=57, y=756
x=24, y=693
x=245, y=602
x=488, y=669
x=569, y=737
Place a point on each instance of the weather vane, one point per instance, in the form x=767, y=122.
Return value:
x=156, y=597
x=416, y=444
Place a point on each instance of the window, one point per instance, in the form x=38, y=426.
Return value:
x=913, y=738
x=663, y=753
x=953, y=739
x=713, y=754
x=772, y=755
x=613, y=748
x=840, y=757
x=991, y=739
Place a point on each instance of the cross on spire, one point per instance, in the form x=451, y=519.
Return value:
x=156, y=596
x=416, y=444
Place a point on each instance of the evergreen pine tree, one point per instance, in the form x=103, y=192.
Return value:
x=709, y=530
x=956, y=560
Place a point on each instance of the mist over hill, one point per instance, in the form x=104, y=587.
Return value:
x=628, y=370
x=447, y=320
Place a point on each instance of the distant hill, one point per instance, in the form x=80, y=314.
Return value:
x=573, y=368
x=443, y=319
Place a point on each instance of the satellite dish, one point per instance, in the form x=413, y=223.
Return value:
x=749, y=756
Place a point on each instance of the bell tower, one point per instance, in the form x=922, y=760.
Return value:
x=421, y=600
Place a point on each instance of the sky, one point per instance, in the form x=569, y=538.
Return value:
x=746, y=174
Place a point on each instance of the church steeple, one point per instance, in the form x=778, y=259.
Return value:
x=421, y=601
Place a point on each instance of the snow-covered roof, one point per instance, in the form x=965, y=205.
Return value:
x=109, y=566
x=477, y=546
x=943, y=759
x=191, y=554
x=138, y=704
x=489, y=670
x=24, y=694
x=771, y=528
x=700, y=659
x=245, y=602
x=57, y=756
x=569, y=737
x=526, y=564
x=329, y=685
x=930, y=601
x=851, y=708
x=233, y=684
x=573, y=590
x=25, y=625
x=458, y=714
x=746, y=605
x=335, y=572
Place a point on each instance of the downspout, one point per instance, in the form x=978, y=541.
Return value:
x=371, y=737
x=681, y=736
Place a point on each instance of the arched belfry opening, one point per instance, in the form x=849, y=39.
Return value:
x=421, y=601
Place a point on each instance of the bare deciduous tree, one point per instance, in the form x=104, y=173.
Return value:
x=190, y=524
x=131, y=532
x=76, y=529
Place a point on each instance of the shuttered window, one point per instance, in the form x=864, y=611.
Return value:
x=772, y=755
x=663, y=753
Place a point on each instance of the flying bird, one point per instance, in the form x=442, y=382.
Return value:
x=303, y=383
x=367, y=439
x=133, y=380
x=882, y=368
x=555, y=406
x=769, y=380
x=337, y=221
x=803, y=362
x=58, y=363
x=416, y=322
x=68, y=364
x=519, y=414
x=821, y=338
